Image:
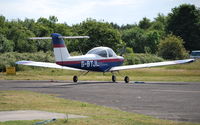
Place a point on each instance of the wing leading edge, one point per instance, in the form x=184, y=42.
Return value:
x=126, y=67
x=46, y=64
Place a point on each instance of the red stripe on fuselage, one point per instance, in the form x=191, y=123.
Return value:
x=68, y=62
x=110, y=60
x=58, y=45
x=78, y=62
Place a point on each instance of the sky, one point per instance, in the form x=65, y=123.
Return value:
x=72, y=12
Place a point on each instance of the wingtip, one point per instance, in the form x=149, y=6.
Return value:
x=23, y=62
x=192, y=60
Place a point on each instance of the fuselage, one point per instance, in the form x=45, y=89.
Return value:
x=100, y=59
x=92, y=62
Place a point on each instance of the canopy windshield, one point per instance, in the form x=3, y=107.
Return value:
x=103, y=52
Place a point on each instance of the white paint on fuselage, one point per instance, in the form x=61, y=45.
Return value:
x=61, y=54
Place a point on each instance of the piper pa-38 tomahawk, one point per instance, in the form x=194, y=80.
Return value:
x=98, y=59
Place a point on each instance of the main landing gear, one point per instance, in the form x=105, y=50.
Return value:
x=126, y=79
x=75, y=78
x=113, y=78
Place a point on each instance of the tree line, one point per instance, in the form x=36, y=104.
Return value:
x=171, y=36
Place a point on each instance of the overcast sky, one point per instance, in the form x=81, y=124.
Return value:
x=76, y=11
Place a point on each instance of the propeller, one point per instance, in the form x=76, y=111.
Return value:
x=121, y=51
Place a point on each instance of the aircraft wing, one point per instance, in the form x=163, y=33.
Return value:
x=46, y=64
x=117, y=68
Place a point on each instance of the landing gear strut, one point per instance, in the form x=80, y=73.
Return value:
x=75, y=78
x=113, y=78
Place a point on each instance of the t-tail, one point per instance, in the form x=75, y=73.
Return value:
x=61, y=52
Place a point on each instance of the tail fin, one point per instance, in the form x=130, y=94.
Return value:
x=60, y=51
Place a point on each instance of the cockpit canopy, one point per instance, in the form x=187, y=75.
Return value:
x=102, y=51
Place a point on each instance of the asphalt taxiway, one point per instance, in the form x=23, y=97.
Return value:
x=166, y=100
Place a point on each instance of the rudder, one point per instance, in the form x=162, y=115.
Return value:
x=61, y=52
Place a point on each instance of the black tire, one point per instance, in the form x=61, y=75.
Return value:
x=75, y=78
x=126, y=79
x=113, y=78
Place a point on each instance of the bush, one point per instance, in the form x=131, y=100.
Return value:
x=171, y=47
x=9, y=59
x=131, y=58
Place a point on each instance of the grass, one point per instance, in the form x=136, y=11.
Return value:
x=98, y=115
x=183, y=72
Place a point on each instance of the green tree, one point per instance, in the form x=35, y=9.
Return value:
x=42, y=30
x=19, y=35
x=141, y=40
x=184, y=21
x=159, y=23
x=53, y=19
x=128, y=26
x=135, y=38
x=172, y=47
x=145, y=23
x=101, y=34
x=161, y=18
x=29, y=24
x=63, y=29
x=3, y=25
x=5, y=44
x=152, y=41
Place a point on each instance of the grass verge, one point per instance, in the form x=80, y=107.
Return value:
x=98, y=115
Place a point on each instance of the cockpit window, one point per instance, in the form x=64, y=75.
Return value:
x=103, y=52
x=110, y=53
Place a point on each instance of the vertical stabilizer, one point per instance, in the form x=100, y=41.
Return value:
x=60, y=51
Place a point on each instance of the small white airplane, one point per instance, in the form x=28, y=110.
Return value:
x=98, y=59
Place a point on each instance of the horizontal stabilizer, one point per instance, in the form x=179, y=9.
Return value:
x=73, y=37
x=33, y=38
x=63, y=37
